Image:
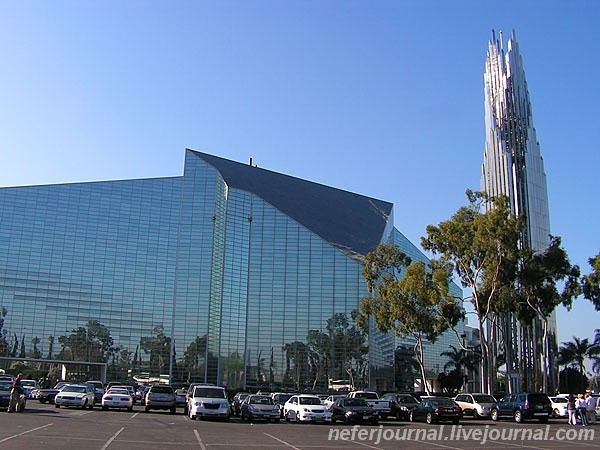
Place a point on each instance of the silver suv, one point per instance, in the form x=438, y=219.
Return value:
x=160, y=396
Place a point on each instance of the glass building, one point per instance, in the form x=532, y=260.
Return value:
x=230, y=274
x=513, y=166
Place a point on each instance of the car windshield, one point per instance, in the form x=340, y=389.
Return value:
x=310, y=401
x=407, y=400
x=5, y=386
x=282, y=398
x=161, y=389
x=484, y=399
x=559, y=400
x=118, y=391
x=254, y=400
x=443, y=402
x=209, y=392
x=369, y=395
x=79, y=389
x=355, y=402
x=28, y=383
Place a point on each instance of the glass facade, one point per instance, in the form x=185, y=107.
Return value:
x=230, y=274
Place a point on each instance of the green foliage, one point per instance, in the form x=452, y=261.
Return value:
x=408, y=298
x=90, y=343
x=538, y=294
x=591, y=282
x=158, y=346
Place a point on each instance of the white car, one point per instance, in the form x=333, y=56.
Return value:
x=208, y=401
x=559, y=407
x=75, y=395
x=477, y=405
x=118, y=398
x=329, y=401
x=306, y=408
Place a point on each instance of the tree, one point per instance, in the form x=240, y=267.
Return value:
x=538, y=294
x=483, y=250
x=194, y=359
x=591, y=282
x=159, y=347
x=4, y=345
x=35, y=351
x=419, y=304
x=90, y=343
x=574, y=353
x=296, y=370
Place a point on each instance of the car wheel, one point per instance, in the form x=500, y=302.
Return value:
x=130, y=409
x=556, y=413
x=543, y=419
x=455, y=421
x=56, y=406
x=91, y=405
x=104, y=408
x=518, y=416
x=475, y=414
x=276, y=420
x=84, y=404
x=42, y=401
x=297, y=416
x=173, y=410
x=429, y=418
x=494, y=415
x=146, y=409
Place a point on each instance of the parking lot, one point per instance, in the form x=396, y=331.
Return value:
x=42, y=426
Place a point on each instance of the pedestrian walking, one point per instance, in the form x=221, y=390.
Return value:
x=581, y=409
x=571, y=410
x=590, y=403
x=15, y=394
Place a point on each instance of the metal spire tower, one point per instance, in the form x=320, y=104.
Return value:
x=513, y=166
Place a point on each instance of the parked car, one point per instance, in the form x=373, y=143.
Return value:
x=306, y=408
x=208, y=402
x=259, y=407
x=400, y=404
x=47, y=395
x=477, y=405
x=236, y=403
x=98, y=387
x=559, y=407
x=5, y=388
x=160, y=396
x=437, y=409
x=330, y=400
x=142, y=391
x=117, y=398
x=80, y=396
x=29, y=386
x=372, y=398
x=523, y=406
x=279, y=399
x=354, y=410
x=180, y=398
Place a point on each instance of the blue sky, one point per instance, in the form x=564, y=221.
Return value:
x=382, y=98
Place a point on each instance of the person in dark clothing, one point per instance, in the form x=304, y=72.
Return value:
x=15, y=394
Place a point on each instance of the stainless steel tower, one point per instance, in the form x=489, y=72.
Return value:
x=513, y=166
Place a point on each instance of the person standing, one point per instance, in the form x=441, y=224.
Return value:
x=581, y=409
x=590, y=403
x=15, y=394
x=571, y=410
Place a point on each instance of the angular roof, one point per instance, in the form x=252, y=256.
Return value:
x=351, y=222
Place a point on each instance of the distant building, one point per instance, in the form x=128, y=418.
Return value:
x=230, y=274
x=513, y=166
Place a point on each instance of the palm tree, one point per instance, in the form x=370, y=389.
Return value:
x=574, y=353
